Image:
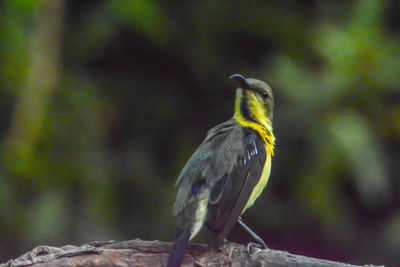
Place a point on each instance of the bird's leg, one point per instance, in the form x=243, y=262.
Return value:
x=252, y=234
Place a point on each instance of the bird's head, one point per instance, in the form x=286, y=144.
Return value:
x=254, y=99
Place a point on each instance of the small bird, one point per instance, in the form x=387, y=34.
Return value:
x=227, y=172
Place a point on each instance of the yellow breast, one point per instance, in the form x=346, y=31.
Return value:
x=262, y=182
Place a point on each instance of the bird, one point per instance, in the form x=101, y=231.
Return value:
x=227, y=172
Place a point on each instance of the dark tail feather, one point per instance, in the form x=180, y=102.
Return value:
x=178, y=250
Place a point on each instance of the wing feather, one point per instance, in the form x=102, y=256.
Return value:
x=237, y=187
x=224, y=171
x=209, y=162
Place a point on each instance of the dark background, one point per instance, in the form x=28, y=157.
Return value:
x=102, y=103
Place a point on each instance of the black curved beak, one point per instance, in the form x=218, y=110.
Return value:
x=242, y=81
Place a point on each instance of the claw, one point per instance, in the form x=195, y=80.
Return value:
x=251, y=245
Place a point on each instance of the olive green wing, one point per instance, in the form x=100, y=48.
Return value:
x=221, y=173
x=231, y=193
x=208, y=164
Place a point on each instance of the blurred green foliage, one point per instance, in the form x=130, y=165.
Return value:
x=104, y=101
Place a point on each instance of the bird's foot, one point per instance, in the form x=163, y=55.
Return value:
x=251, y=245
x=262, y=243
x=258, y=239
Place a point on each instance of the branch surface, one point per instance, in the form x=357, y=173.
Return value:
x=155, y=253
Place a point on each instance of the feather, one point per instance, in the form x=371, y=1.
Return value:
x=239, y=185
x=178, y=250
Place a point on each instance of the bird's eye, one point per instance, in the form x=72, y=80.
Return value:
x=265, y=95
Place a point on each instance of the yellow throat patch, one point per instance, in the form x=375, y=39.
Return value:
x=263, y=125
x=264, y=128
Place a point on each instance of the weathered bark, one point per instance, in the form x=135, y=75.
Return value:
x=155, y=253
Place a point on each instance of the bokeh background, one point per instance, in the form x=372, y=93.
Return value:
x=102, y=103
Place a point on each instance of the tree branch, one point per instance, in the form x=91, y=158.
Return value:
x=155, y=253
